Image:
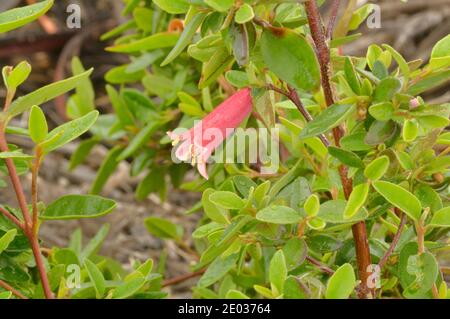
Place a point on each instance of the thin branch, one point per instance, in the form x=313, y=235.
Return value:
x=180, y=279
x=12, y=218
x=15, y=292
x=333, y=16
x=395, y=240
x=294, y=97
x=320, y=265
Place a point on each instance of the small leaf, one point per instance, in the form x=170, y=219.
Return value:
x=332, y=211
x=316, y=223
x=277, y=272
x=356, y=200
x=163, y=228
x=235, y=294
x=107, y=168
x=244, y=14
x=214, y=212
x=312, y=205
x=68, y=132
x=276, y=214
x=96, y=277
x=218, y=268
x=377, y=168
x=7, y=239
x=150, y=43
x=220, y=5
x=15, y=18
x=37, y=125
x=129, y=288
x=441, y=218
x=400, y=198
x=78, y=206
x=386, y=89
x=342, y=283
x=346, y=157
x=44, y=94
x=290, y=56
x=18, y=75
x=326, y=120
x=227, y=200
x=410, y=130
x=382, y=111
x=216, y=65
x=185, y=38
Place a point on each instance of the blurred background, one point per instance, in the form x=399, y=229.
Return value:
x=49, y=45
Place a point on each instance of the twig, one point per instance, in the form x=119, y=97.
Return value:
x=180, y=279
x=15, y=292
x=11, y=217
x=359, y=229
x=333, y=16
x=293, y=96
x=395, y=240
x=320, y=265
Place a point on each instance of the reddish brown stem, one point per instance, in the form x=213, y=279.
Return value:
x=11, y=217
x=180, y=279
x=395, y=240
x=321, y=266
x=333, y=16
x=359, y=229
x=15, y=292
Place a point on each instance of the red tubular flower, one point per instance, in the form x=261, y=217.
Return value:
x=199, y=142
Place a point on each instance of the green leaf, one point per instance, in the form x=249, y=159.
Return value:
x=235, y=294
x=238, y=79
x=410, y=130
x=292, y=289
x=15, y=155
x=381, y=132
x=128, y=288
x=44, y=94
x=346, y=157
x=312, y=205
x=121, y=75
x=316, y=223
x=217, y=270
x=400, y=198
x=15, y=18
x=244, y=14
x=220, y=5
x=18, y=75
x=185, y=38
x=428, y=197
x=277, y=272
x=441, y=218
x=68, y=132
x=173, y=6
x=153, y=182
x=328, y=119
x=291, y=58
x=428, y=82
x=213, y=212
x=386, y=89
x=227, y=200
x=106, y=169
x=382, y=111
x=94, y=244
x=356, y=200
x=332, y=211
x=5, y=295
x=342, y=283
x=96, y=277
x=7, y=239
x=78, y=206
x=143, y=18
x=295, y=251
x=351, y=76
x=377, y=168
x=402, y=64
x=217, y=64
x=37, y=125
x=276, y=214
x=139, y=140
x=425, y=269
x=150, y=43
x=441, y=48
x=163, y=228
x=82, y=151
